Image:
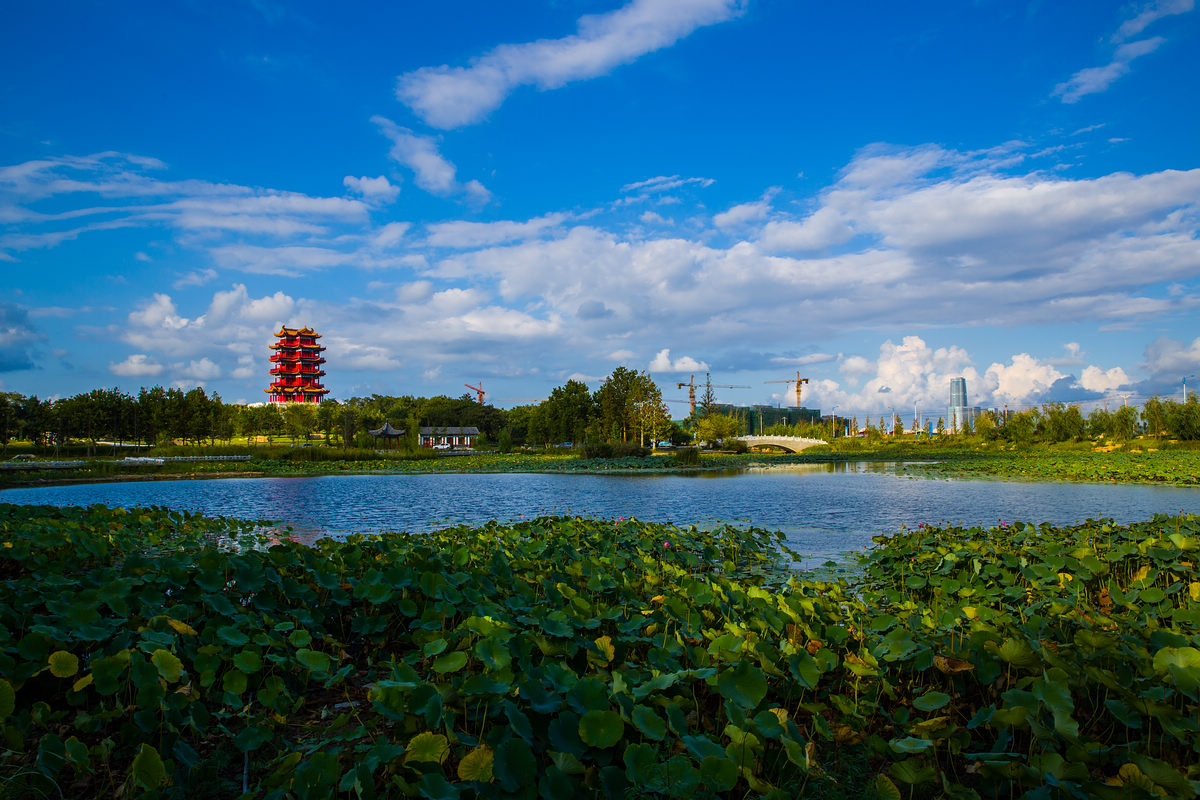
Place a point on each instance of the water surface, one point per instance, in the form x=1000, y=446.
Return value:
x=825, y=509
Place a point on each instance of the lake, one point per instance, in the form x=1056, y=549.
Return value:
x=824, y=509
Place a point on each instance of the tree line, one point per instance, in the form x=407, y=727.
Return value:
x=626, y=408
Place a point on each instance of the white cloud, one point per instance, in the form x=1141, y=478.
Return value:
x=236, y=304
x=1151, y=12
x=740, y=216
x=665, y=183
x=463, y=235
x=1021, y=380
x=373, y=190
x=1170, y=358
x=1096, y=79
x=662, y=363
x=197, y=277
x=203, y=369
x=159, y=312
x=138, y=365
x=389, y=235
x=1095, y=379
x=432, y=171
x=449, y=97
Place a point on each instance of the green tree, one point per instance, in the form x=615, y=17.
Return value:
x=10, y=405
x=327, y=417
x=1125, y=423
x=1021, y=427
x=300, y=419
x=714, y=428
x=566, y=413
x=1184, y=419
x=1155, y=413
x=617, y=402
x=349, y=418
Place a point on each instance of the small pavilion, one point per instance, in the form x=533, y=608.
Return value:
x=387, y=432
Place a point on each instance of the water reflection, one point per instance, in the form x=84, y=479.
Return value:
x=824, y=509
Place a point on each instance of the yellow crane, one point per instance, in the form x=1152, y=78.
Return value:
x=708, y=385
x=796, y=380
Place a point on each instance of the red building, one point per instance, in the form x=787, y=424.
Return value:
x=296, y=365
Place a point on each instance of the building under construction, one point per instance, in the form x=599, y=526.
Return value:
x=756, y=419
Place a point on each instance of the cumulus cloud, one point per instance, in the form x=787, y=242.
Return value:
x=431, y=170
x=450, y=97
x=740, y=216
x=138, y=365
x=1170, y=358
x=203, y=369
x=158, y=312
x=374, y=190
x=1102, y=381
x=662, y=363
x=1022, y=380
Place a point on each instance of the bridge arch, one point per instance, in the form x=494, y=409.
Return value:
x=792, y=444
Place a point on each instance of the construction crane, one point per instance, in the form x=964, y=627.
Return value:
x=796, y=380
x=477, y=389
x=708, y=386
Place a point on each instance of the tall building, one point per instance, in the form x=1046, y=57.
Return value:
x=296, y=365
x=958, y=413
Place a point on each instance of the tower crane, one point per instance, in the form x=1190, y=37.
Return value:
x=796, y=380
x=708, y=386
x=477, y=389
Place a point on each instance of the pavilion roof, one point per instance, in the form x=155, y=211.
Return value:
x=387, y=430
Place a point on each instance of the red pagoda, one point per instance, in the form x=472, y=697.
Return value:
x=296, y=365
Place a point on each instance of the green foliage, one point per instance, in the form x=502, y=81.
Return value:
x=715, y=428
x=574, y=657
x=611, y=450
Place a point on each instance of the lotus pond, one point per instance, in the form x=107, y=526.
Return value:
x=824, y=509
x=160, y=653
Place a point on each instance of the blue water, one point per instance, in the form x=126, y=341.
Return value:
x=823, y=509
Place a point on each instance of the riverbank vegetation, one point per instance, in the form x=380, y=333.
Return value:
x=157, y=653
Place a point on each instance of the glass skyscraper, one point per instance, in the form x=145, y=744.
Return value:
x=957, y=413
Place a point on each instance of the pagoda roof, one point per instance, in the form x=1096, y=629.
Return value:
x=387, y=430
x=306, y=331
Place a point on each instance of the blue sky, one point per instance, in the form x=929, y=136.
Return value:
x=881, y=196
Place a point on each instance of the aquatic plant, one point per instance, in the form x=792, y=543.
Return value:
x=164, y=654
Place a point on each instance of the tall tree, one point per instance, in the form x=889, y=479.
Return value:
x=617, y=402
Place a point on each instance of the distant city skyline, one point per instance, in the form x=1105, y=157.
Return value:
x=882, y=197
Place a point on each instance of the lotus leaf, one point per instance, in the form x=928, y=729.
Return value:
x=931, y=701
x=744, y=685
x=514, y=764
x=63, y=664
x=147, y=769
x=427, y=747
x=450, y=662
x=601, y=728
x=477, y=765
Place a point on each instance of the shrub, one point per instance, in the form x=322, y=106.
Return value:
x=687, y=457
x=614, y=450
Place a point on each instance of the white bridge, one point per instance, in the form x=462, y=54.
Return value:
x=793, y=444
